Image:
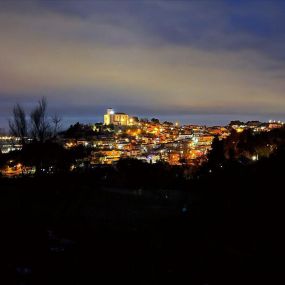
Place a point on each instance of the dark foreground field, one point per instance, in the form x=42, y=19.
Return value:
x=70, y=230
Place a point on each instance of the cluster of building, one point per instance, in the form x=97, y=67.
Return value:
x=13, y=168
x=152, y=141
x=9, y=143
x=256, y=126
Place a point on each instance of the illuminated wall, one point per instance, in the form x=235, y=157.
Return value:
x=117, y=119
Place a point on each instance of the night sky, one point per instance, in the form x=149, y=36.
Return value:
x=192, y=61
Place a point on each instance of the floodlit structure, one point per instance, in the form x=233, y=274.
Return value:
x=117, y=119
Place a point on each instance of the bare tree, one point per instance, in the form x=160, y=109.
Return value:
x=18, y=124
x=41, y=128
x=40, y=125
x=56, y=122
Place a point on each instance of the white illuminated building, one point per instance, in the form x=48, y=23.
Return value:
x=117, y=119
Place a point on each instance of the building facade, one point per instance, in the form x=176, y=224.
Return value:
x=117, y=119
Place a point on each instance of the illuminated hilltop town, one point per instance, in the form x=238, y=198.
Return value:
x=123, y=136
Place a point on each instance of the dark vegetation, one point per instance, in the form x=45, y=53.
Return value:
x=222, y=226
x=79, y=131
x=67, y=227
x=40, y=128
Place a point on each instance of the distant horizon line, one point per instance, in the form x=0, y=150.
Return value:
x=194, y=119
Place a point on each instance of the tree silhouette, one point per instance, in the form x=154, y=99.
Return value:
x=155, y=121
x=217, y=155
x=56, y=121
x=41, y=128
x=18, y=124
x=42, y=151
